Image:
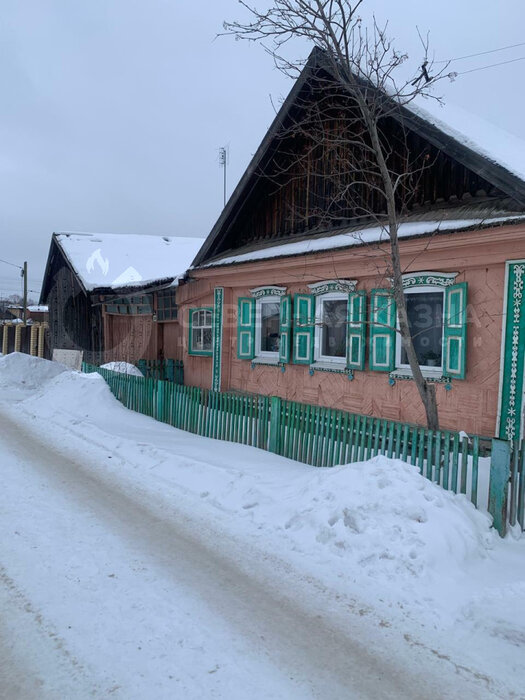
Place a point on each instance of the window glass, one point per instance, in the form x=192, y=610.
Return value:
x=130, y=305
x=425, y=319
x=197, y=341
x=166, y=305
x=333, y=328
x=270, y=326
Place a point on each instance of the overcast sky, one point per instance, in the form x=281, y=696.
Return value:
x=113, y=111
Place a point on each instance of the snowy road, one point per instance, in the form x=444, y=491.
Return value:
x=186, y=614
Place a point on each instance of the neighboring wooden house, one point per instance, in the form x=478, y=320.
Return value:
x=286, y=304
x=36, y=313
x=114, y=296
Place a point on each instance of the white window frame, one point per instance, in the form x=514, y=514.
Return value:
x=201, y=328
x=269, y=356
x=319, y=301
x=425, y=368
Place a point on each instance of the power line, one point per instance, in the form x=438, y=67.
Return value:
x=482, y=53
x=12, y=264
x=492, y=65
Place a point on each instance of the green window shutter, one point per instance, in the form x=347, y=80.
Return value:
x=304, y=327
x=355, y=333
x=246, y=328
x=285, y=323
x=382, y=330
x=455, y=331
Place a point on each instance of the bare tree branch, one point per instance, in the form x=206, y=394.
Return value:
x=347, y=139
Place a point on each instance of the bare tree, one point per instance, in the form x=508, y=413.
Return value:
x=345, y=126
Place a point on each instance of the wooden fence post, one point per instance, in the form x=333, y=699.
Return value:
x=160, y=401
x=498, y=486
x=41, y=339
x=275, y=425
x=33, y=340
x=18, y=337
x=5, y=339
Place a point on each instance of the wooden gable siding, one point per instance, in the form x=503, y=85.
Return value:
x=293, y=198
x=296, y=188
x=74, y=323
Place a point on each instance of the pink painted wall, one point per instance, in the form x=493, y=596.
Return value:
x=171, y=339
x=479, y=259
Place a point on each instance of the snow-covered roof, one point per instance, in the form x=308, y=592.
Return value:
x=359, y=237
x=38, y=308
x=114, y=261
x=485, y=138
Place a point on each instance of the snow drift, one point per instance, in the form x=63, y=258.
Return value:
x=377, y=530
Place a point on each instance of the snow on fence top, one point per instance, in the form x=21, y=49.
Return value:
x=112, y=260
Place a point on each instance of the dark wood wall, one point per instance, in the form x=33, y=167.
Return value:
x=75, y=323
x=309, y=180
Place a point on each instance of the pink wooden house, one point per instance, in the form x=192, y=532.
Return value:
x=279, y=302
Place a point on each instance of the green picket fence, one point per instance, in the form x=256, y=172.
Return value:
x=516, y=497
x=224, y=416
x=168, y=369
x=325, y=437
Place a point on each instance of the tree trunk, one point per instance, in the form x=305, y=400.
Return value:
x=427, y=391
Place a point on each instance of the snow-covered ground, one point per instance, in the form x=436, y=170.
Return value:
x=139, y=561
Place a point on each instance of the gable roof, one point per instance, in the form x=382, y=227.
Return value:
x=500, y=159
x=118, y=262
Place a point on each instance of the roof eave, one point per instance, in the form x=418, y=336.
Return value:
x=129, y=289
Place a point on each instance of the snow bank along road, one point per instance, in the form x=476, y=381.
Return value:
x=108, y=590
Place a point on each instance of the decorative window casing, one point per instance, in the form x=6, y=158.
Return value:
x=329, y=326
x=437, y=315
x=331, y=318
x=201, y=331
x=267, y=327
x=264, y=325
x=166, y=305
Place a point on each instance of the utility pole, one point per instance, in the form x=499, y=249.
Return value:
x=24, y=275
x=223, y=157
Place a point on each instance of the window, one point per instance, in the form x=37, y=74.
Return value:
x=437, y=316
x=166, y=305
x=130, y=306
x=331, y=328
x=425, y=318
x=267, y=335
x=264, y=325
x=200, y=331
